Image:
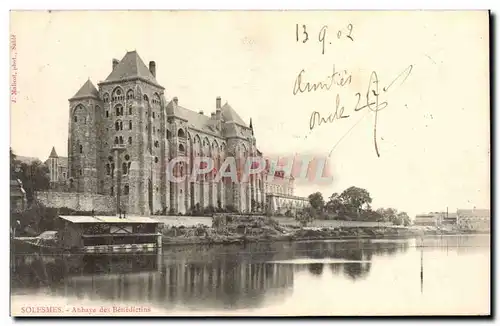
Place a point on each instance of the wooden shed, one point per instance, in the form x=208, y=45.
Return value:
x=107, y=234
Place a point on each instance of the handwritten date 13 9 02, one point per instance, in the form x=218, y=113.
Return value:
x=302, y=35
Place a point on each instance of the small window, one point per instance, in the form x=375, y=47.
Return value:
x=153, y=115
x=127, y=157
x=108, y=169
x=81, y=149
x=81, y=172
x=112, y=191
x=130, y=125
x=124, y=168
x=126, y=190
x=64, y=175
x=130, y=140
x=156, y=159
x=107, y=114
x=130, y=110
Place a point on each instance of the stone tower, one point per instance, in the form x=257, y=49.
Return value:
x=133, y=152
x=84, y=139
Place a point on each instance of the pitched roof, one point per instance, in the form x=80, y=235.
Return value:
x=131, y=66
x=230, y=115
x=196, y=120
x=108, y=219
x=87, y=90
x=53, y=152
x=473, y=213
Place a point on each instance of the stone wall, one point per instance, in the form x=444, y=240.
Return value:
x=77, y=201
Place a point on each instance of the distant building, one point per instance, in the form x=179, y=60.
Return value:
x=58, y=170
x=430, y=219
x=279, y=189
x=474, y=219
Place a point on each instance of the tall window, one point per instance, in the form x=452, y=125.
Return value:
x=81, y=149
x=119, y=110
x=130, y=125
x=126, y=190
x=130, y=140
x=112, y=191
x=119, y=125
x=75, y=118
x=129, y=110
x=124, y=168
x=130, y=94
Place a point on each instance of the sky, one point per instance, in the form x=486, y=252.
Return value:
x=432, y=137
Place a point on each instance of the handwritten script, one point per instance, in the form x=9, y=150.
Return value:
x=373, y=98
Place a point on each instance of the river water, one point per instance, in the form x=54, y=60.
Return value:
x=436, y=275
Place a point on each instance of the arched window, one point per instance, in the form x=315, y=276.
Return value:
x=116, y=140
x=145, y=97
x=181, y=133
x=153, y=115
x=130, y=94
x=124, y=168
x=130, y=125
x=117, y=94
x=106, y=97
x=121, y=140
x=181, y=148
x=130, y=140
x=126, y=190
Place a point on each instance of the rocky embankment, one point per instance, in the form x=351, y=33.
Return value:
x=245, y=229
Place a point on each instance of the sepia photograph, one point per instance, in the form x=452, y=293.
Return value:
x=249, y=163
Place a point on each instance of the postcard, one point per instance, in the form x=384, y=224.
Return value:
x=249, y=163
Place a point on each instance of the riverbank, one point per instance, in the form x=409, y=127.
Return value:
x=257, y=229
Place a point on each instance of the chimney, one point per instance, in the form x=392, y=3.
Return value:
x=176, y=100
x=217, y=103
x=201, y=112
x=115, y=63
x=152, y=68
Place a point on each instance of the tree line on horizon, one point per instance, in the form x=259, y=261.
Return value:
x=353, y=204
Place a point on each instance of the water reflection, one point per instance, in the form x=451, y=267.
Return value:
x=200, y=277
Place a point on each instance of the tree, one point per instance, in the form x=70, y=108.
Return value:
x=354, y=199
x=404, y=219
x=388, y=214
x=34, y=175
x=334, y=204
x=316, y=200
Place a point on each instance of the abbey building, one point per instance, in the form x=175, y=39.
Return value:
x=123, y=134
